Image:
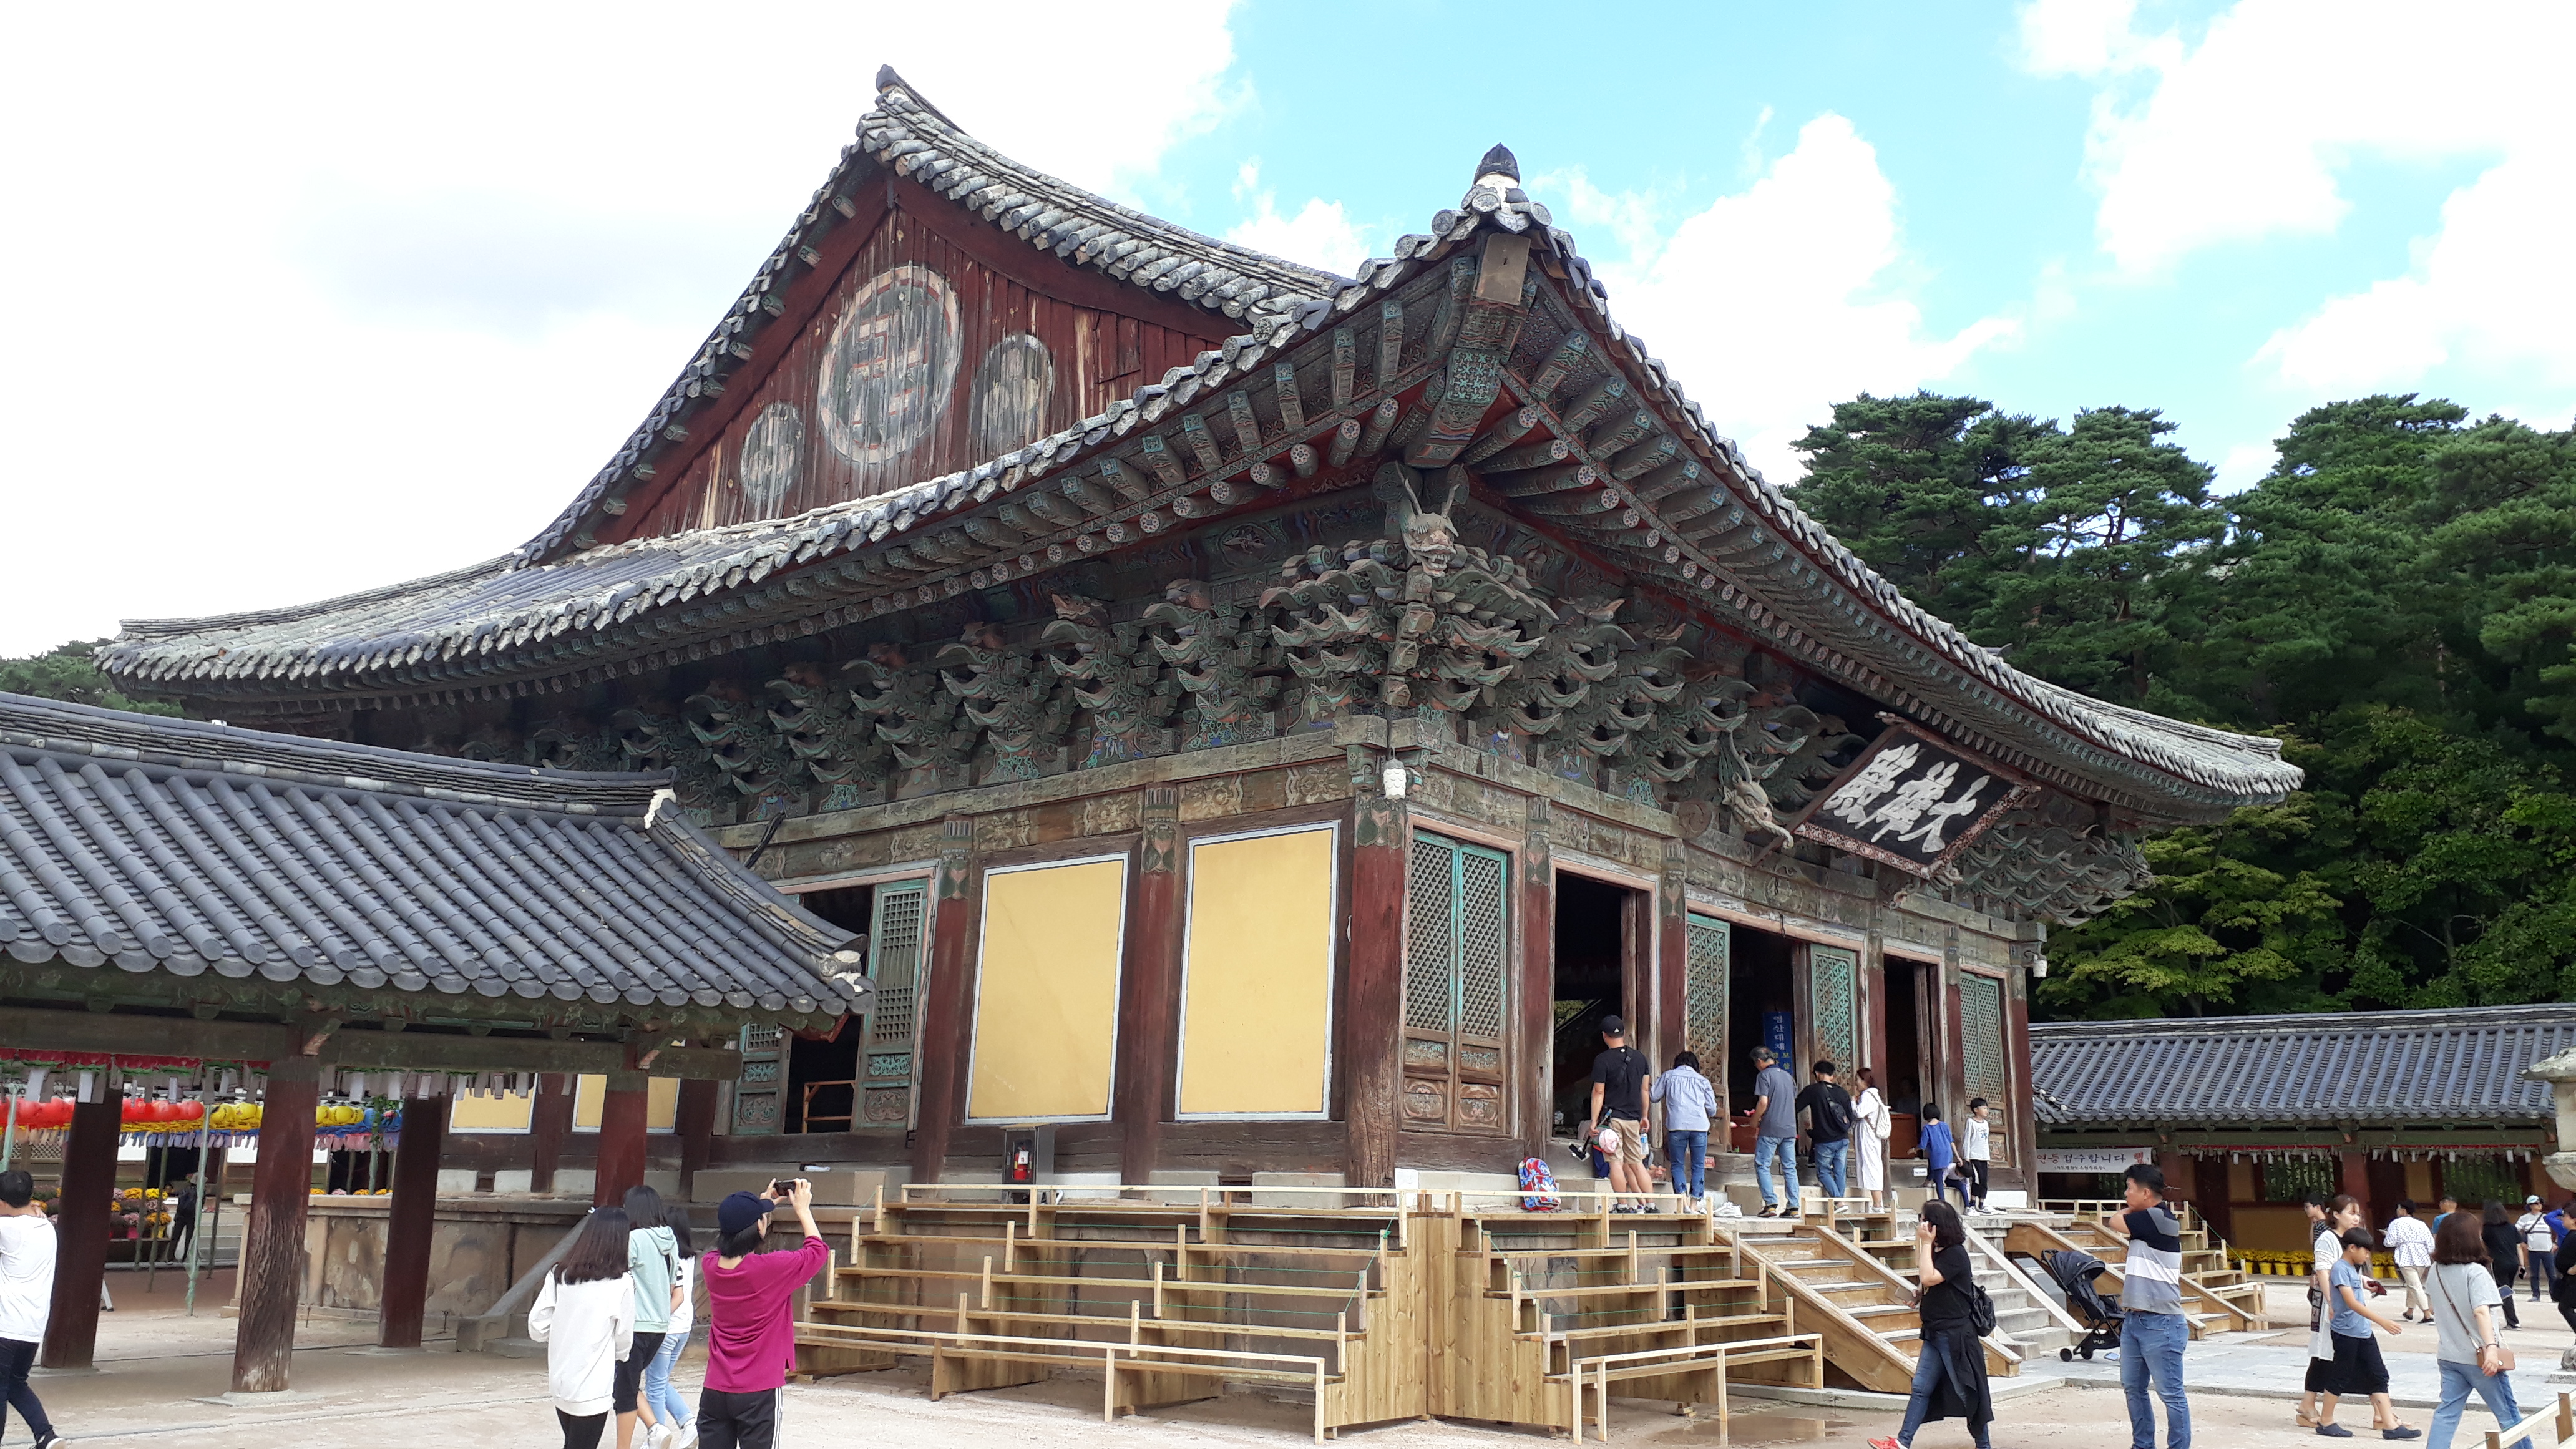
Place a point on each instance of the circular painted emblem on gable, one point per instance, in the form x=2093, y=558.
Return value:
x=889, y=366
x=773, y=453
x=1012, y=385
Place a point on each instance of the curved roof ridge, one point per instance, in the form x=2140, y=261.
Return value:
x=2311, y=1024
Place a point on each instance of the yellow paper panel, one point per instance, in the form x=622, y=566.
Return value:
x=1046, y=992
x=491, y=1114
x=1257, y=1004
x=661, y=1103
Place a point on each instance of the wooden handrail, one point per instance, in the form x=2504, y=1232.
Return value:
x=1684, y=1361
x=2564, y=1414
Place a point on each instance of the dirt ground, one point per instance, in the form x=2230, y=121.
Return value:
x=162, y=1376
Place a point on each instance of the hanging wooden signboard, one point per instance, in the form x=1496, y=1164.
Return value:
x=1911, y=800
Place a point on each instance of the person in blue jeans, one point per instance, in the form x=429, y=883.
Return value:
x=1775, y=1134
x=1829, y=1126
x=1690, y=1102
x=2153, y=1329
x=1949, y=1358
x=671, y=1408
x=2465, y=1298
x=1939, y=1152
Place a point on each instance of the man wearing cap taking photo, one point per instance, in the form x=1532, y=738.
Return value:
x=751, y=1319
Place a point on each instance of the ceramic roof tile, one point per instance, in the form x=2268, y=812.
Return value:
x=2379, y=1067
x=157, y=844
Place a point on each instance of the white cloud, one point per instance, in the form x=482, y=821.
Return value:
x=2251, y=132
x=1774, y=303
x=2243, y=466
x=1321, y=234
x=311, y=298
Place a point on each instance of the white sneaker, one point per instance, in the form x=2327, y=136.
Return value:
x=688, y=1434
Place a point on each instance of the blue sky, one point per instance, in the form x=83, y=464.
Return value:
x=310, y=300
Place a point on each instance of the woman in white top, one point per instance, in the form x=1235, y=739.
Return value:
x=2341, y=1214
x=2464, y=1297
x=1870, y=1141
x=585, y=1316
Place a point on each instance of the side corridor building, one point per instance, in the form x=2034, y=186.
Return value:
x=1260, y=719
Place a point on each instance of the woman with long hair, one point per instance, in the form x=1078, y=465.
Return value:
x=670, y=1407
x=653, y=1259
x=1950, y=1356
x=1869, y=1137
x=2495, y=1227
x=585, y=1316
x=2464, y=1294
x=2334, y=1217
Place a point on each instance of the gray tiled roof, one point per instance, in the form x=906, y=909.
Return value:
x=157, y=844
x=2430, y=1068
x=512, y=626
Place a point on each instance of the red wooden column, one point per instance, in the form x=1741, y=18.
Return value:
x=621, y=1138
x=696, y=1123
x=1372, y=1009
x=1149, y=999
x=411, y=1220
x=1538, y=983
x=1672, y=945
x=1873, y=996
x=952, y=983
x=549, y=1123
x=272, y=1257
x=2356, y=1181
x=80, y=1241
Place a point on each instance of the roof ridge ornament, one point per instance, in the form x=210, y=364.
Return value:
x=889, y=79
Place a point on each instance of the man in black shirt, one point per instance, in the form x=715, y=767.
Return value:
x=1829, y=1127
x=1619, y=1079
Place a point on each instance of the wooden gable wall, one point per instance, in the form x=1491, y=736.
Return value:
x=936, y=349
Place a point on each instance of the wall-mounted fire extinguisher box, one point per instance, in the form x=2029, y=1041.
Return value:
x=1028, y=1155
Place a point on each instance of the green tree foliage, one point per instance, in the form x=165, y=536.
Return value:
x=2396, y=599
x=70, y=672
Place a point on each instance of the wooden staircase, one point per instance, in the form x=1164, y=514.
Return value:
x=2216, y=1298
x=1859, y=1293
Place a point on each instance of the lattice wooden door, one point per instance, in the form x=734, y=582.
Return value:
x=1981, y=1044
x=1454, y=987
x=1833, y=1005
x=896, y=925
x=1705, y=982
x=756, y=1094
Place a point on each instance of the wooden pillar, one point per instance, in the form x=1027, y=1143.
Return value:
x=80, y=1241
x=1671, y=953
x=272, y=1254
x=696, y=1123
x=549, y=1123
x=1534, y=1069
x=1149, y=999
x=620, y=1164
x=2020, y=1109
x=944, y=1026
x=411, y=1221
x=1373, y=1008
x=2355, y=1179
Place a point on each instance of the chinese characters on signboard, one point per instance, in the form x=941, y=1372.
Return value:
x=1910, y=800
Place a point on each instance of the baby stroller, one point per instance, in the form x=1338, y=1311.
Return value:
x=2099, y=1312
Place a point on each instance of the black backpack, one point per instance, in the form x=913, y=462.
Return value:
x=1834, y=1113
x=1981, y=1309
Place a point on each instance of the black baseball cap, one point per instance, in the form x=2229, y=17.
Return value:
x=1613, y=1026
x=742, y=1210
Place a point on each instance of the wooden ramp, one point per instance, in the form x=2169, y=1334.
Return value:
x=1854, y=1283
x=2232, y=1302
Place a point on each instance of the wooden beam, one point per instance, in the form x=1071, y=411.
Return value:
x=411, y=1221
x=84, y=1033
x=944, y=1025
x=1537, y=1030
x=696, y=1125
x=272, y=1256
x=80, y=1234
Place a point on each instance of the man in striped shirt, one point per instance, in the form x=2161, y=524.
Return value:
x=2154, y=1331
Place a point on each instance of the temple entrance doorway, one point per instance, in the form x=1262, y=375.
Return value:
x=1906, y=1053
x=1761, y=1010
x=1597, y=926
